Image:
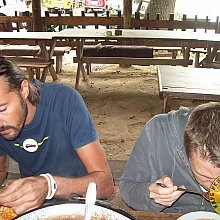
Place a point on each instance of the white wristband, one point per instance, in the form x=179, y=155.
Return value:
x=48, y=184
x=52, y=185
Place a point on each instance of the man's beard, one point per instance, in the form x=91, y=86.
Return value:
x=17, y=130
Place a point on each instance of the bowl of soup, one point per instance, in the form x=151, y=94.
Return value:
x=200, y=215
x=73, y=211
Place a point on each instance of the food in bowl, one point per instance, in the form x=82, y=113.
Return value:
x=75, y=211
x=6, y=213
x=73, y=217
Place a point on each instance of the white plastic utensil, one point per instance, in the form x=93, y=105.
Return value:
x=90, y=200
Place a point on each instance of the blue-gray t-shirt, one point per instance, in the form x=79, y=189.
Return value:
x=61, y=125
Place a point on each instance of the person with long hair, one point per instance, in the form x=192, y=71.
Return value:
x=48, y=130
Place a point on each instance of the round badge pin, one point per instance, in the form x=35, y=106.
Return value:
x=214, y=195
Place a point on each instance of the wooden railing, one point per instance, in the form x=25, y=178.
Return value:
x=115, y=22
x=184, y=24
x=82, y=21
x=18, y=21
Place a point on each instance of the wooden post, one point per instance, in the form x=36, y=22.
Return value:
x=217, y=25
x=206, y=21
x=17, y=24
x=127, y=12
x=137, y=17
x=59, y=15
x=83, y=15
x=96, y=15
x=36, y=10
x=119, y=15
x=107, y=15
x=184, y=19
x=171, y=19
x=196, y=19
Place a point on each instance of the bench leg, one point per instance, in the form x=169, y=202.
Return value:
x=88, y=68
x=77, y=76
x=30, y=73
x=80, y=68
x=196, y=63
x=83, y=72
x=44, y=74
x=59, y=61
x=174, y=54
x=53, y=73
x=38, y=73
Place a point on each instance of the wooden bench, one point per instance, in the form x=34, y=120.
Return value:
x=113, y=54
x=198, y=52
x=33, y=66
x=173, y=50
x=177, y=82
x=29, y=50
x=123, y=54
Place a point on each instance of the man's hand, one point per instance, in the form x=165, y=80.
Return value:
x=166, y=195
x=25, y=194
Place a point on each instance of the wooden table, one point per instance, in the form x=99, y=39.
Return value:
x=117, y=203
x=157, y=38
x=188, y=83
x=212, y=44
x=115, y=200
x=141, y=215
x=39, y=37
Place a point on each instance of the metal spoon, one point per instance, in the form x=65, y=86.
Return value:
x=205, y=195
x=90, y=200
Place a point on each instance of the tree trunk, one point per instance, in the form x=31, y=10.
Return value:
x=127, y=12
x=162, y=7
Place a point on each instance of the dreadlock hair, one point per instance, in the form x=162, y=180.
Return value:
x=14, y=76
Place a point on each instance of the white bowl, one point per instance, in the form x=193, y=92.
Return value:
x=200, y=215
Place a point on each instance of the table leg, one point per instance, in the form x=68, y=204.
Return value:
x=47, y=54
x=80, y=67
x=197, y=55
x=211, y=53
x=167, y=103
x=208, y=61
x=186, y=53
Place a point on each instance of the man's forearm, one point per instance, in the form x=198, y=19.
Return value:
x=78, y=185
x=136, y=195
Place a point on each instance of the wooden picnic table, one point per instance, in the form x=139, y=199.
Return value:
x=147, y=215
x=177, y=82
x=117, y=167
x=116, y=203
x=157, y=38
x=212, y=45
x=39, y=37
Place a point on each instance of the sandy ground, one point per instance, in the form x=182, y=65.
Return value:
x=120, y=100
